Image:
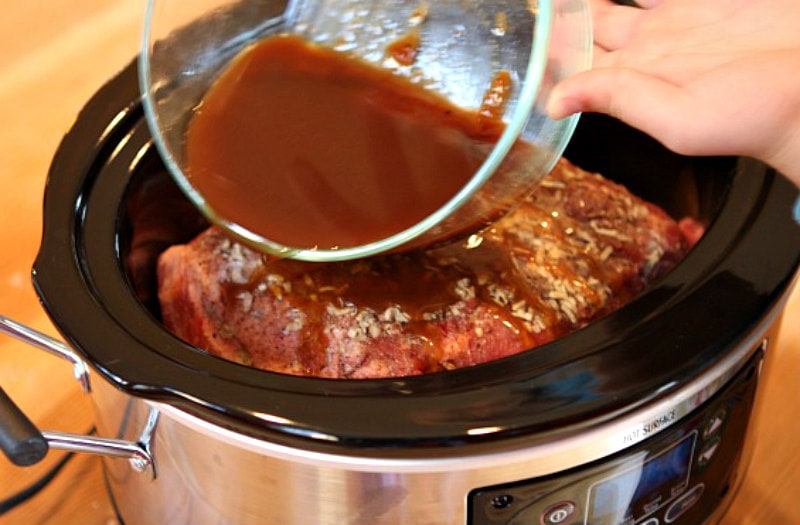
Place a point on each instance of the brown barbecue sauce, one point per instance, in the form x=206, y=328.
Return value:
x=311, y=147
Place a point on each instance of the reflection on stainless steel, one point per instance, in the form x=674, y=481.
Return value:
x=195, y=456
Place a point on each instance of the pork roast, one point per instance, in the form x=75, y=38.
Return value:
x=576, y=249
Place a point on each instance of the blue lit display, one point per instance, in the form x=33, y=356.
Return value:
x=641, y=490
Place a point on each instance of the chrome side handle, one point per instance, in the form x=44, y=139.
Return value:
x=50, y=345
x=24, y=444
x=138, y=453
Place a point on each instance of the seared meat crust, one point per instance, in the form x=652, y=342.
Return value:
x=579, y=247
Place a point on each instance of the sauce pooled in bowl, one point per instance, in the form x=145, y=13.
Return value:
x=312, y=148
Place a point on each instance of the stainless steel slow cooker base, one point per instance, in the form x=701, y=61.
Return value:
x=209, y=474
x=640, y=418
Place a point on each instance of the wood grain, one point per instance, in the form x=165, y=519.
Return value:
x=54, y=55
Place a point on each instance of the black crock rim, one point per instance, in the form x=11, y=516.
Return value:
x=586, y=377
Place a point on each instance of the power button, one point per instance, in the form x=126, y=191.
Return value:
x=558, y=514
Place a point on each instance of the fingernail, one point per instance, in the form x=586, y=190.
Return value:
x=562, y=108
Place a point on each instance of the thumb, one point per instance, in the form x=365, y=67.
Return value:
x=645, y=102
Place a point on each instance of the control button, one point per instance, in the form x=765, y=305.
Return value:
x=684, y=503
x=715, y=423
x=708, y=452
x=558, y=513
x=650, y=521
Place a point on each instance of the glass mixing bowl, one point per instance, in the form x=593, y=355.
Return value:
x=464, y=45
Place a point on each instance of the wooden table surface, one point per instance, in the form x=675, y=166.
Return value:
x=54, y=55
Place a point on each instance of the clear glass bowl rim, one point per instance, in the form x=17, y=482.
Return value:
x=531, y=86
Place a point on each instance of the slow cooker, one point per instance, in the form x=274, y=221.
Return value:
x=643, y=417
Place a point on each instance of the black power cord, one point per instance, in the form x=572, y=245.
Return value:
x=32, y=490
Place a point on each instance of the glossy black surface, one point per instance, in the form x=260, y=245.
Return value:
x=98, y=198
x=679, y=476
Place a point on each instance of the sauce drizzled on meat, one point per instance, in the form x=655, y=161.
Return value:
x=313, y=148
x=576, y=249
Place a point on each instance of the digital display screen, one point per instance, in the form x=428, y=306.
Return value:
x=639, y=491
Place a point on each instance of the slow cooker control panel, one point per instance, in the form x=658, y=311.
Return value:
x=677, y=477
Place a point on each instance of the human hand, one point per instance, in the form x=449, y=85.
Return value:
x=704, y=77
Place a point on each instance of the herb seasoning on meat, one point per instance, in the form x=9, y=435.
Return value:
x=579, y=247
